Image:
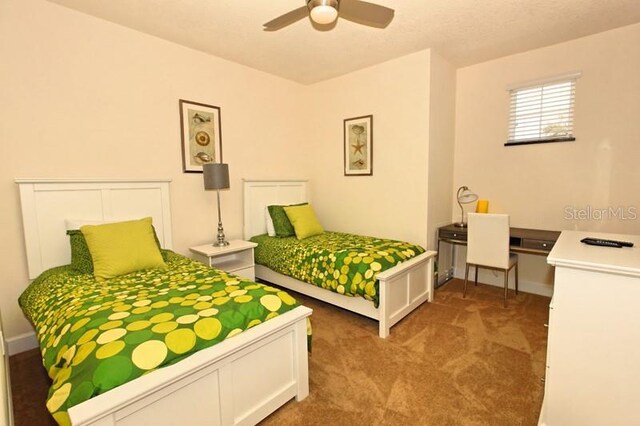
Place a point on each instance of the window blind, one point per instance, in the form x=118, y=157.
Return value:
x=542, y=113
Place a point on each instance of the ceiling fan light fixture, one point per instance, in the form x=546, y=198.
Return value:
x=324, y=11
x=322, y=14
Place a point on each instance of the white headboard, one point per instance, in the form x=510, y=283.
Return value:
x=47, y=203
x=258, y=194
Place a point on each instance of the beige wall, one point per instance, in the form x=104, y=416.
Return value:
x=441, y=145
x=393, y=202
x=81, y=97
x=86, y=98
x=536, y=183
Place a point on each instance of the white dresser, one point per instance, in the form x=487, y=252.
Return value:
x=6, y=415
x=593, y=352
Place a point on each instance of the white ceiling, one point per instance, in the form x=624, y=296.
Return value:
x=464, y=31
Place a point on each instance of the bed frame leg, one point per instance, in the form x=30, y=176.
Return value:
x=430, y=282
x=383, y=330
x=302, y=362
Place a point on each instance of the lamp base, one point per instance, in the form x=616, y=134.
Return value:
x=460, y=224
x=221, y=241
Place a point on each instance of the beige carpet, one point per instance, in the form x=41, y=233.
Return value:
x=452, y=362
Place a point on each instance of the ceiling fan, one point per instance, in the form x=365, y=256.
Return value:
x=325, y=12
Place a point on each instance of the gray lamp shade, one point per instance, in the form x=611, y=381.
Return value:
x=216, y=175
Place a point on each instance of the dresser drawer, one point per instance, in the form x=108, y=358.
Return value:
x=537, y=244
x=453, y=235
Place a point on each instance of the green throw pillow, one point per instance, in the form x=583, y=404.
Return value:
x=121, y=248
x=80, y=257
x=304, y=221
x=281, y=223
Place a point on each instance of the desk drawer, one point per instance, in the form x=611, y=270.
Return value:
x=453, y=235
x=537, y=244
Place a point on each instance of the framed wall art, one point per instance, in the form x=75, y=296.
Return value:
x=201, y=135
x=358, y=146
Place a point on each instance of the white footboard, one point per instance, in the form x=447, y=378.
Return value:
x=237, y=382
x=404, y=288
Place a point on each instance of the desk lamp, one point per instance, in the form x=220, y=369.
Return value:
x=216, y=176
x=464, y=196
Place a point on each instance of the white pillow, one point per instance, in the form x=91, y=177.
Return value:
x=72, y=224
x=271, y=231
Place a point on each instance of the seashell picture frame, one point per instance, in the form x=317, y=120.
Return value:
x=200, y=135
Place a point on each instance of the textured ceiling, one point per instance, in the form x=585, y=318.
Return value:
x=464, y=31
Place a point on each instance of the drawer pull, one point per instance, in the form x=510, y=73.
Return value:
x=546, y=325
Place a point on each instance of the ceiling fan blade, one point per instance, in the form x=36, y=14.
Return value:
x=286, y=19
x=365, y=13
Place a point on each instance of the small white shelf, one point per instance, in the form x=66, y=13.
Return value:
x=236, y=258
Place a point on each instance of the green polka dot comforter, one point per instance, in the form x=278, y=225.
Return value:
x=96, y=336
x=343, y=263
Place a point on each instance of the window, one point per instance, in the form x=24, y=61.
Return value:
x=542, y=112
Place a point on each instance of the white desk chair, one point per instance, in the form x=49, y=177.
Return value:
x=488, y=247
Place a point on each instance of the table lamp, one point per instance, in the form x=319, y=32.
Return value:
x=216, y=176
x=464, y=196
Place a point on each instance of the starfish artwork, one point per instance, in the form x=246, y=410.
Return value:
x=357, y=148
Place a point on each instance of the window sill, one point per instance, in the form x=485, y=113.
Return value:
x=536, y=141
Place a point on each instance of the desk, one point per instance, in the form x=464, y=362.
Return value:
x=521, y=240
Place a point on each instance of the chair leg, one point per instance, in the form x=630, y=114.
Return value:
x=516, y=278
x=506, y=286
x=466, y=278
x=476, y=274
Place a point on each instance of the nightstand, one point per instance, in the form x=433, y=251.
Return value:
x=236, y=258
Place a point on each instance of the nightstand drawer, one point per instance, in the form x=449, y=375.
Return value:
x=453, y=235
x=537, y=244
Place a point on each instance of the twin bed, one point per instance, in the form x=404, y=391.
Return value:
x=400, y=289
x=225, y=383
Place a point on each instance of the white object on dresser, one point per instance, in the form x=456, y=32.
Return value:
x=6, y=407
x=224, y=384
x=593, y=348
x=236, y=258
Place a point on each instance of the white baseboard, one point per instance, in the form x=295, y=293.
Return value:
x=22, y=343
x=525, y=286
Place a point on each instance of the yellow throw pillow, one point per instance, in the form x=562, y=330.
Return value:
x=122, y=247
x=304, y=221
